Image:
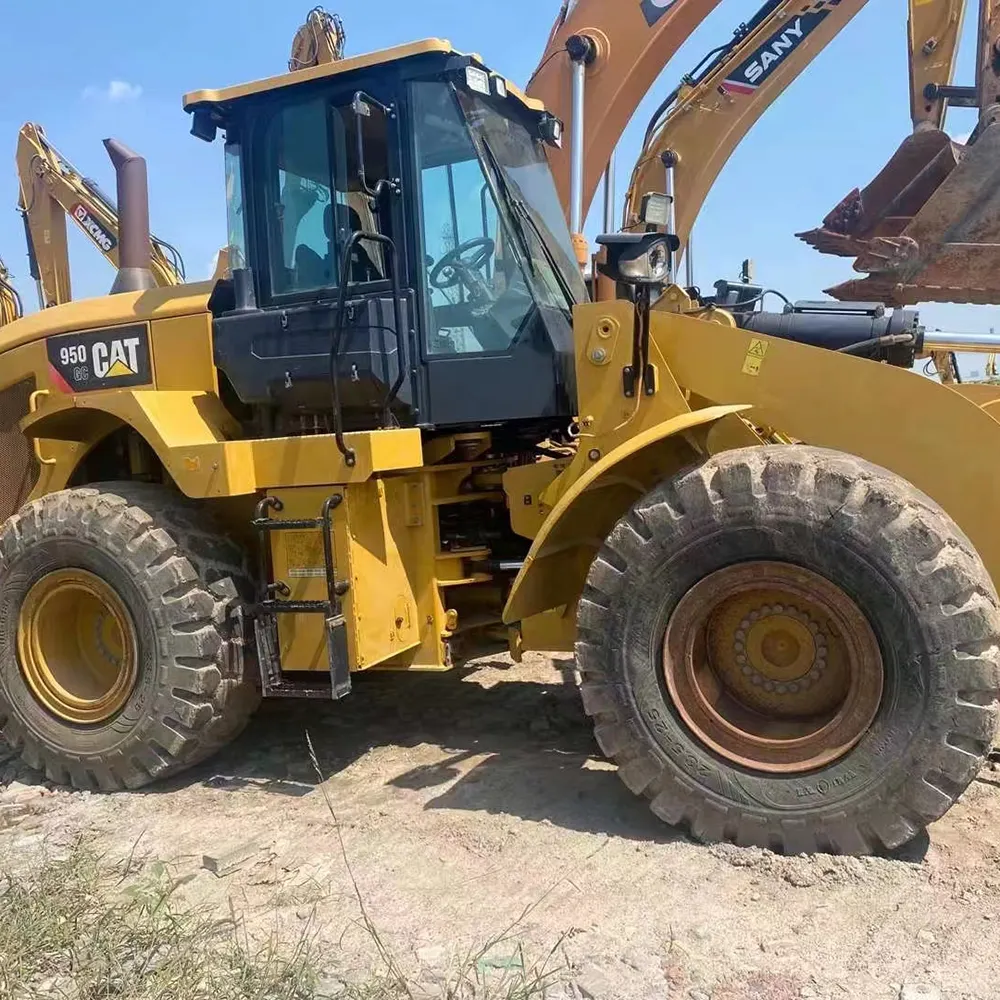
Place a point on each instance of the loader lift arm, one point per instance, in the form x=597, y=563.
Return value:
x=50, y=189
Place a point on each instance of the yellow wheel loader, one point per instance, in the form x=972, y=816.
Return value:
x=399, y=435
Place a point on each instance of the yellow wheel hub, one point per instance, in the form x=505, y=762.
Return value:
x=773, y=666
x=76, y=645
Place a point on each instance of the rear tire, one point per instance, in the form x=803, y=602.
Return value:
x=176, y=580
x=894, y=553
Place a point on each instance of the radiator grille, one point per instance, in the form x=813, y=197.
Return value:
x=18, y=466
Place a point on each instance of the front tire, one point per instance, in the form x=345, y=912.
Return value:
x=118, y=658
x=791, y=648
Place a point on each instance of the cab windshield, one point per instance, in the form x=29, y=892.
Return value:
x=498, y=262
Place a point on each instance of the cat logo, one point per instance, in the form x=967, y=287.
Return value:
x=117, y=359
x=100, y=359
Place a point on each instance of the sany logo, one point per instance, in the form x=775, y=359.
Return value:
x=118, y=359
x=653, y=10
x=93, y=228
x=785, y=42
x=752, y=72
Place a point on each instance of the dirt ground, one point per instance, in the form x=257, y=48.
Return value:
x=476, y=802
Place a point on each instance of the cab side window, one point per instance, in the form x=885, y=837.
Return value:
x=298, y=193
x=314, y=197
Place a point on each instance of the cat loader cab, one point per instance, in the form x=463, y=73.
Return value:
x=399, y=248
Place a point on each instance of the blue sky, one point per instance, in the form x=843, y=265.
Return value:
x=122, y=70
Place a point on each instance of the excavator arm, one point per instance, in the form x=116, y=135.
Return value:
x=927, y=227
x=700, y=124
x=933, y=30
x=52, y=189
x=320, y=39
x=624, y=44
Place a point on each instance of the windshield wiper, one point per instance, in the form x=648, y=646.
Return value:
x=523, y=215
x=507, y=195
x=564, y=285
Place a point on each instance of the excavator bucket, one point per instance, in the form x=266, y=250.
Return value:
x=927, y=228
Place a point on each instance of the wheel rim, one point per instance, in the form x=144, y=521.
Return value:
x=773, y=667
x=76, y=645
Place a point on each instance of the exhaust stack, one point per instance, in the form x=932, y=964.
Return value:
x=134, y=274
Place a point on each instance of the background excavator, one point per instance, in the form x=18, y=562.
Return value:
x=52, y=189
x=927, y=227
x=696, y=129
x=703, y=120
x=599, y=63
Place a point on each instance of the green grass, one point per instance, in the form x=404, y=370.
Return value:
x=81, y=928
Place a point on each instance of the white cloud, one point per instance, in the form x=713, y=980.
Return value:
x=116, y=92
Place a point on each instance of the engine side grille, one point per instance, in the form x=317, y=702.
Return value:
x=19, y=468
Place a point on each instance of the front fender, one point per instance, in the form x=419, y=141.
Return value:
x=588, y=508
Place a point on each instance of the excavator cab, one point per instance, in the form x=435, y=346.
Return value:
x=399, y=249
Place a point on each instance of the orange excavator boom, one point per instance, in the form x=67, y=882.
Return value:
x=622, y=47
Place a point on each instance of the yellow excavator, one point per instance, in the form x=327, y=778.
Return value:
x=51, y=190
x=699, y=125
x=321, y=39
x=599, y=63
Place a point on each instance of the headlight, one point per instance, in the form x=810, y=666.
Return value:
x=638, y=258
x=550, y=129
x=478, y=80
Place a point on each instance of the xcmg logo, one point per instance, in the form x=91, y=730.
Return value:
x=653, y=10
x=757, y=67
x=93, y=228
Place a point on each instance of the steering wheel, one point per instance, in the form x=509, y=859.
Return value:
x=462, y=265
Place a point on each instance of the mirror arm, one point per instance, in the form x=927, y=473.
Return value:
x=362, y=106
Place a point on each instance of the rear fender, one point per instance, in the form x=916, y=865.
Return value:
x=588, y=508
x=188, y=431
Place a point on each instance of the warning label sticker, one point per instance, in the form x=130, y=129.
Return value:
x=304, y=554
x=755, y=357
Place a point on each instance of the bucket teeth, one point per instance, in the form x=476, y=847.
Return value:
x=927, y=227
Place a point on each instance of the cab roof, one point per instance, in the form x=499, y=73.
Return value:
x=201, y=98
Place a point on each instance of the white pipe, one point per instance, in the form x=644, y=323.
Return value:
x=689, y=262
x=671, y=222
x=576, y=148
x=609, y=196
